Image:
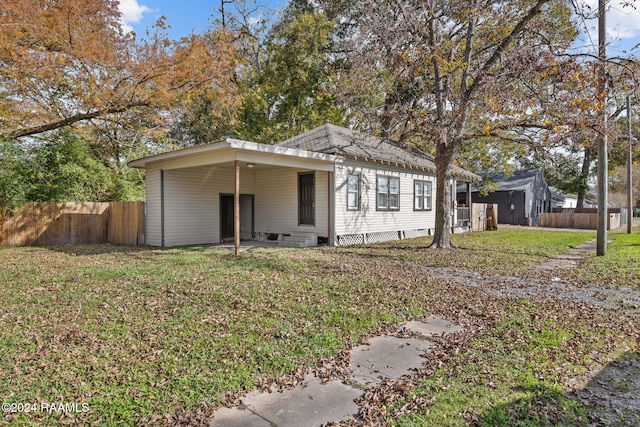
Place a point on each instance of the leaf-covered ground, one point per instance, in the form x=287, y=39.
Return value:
x=164, y=336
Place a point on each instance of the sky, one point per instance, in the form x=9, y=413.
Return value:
x=623, y=28
x=185, y=16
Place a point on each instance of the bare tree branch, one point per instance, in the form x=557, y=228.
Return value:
x=17, y=133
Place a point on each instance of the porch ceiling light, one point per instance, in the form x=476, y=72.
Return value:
x=250, y=165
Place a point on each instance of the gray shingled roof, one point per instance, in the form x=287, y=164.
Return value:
x=331, y=139
x=520, y=180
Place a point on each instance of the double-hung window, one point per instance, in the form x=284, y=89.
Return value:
x=388, y=193
x=422, y=195
x=353, y=192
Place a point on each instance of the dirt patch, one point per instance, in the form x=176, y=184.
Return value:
x=625, y=299
x=613, y=395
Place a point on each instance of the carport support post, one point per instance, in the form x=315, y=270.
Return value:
x=236, y=210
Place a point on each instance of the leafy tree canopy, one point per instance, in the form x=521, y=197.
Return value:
x=287, y=81
x=61, y=169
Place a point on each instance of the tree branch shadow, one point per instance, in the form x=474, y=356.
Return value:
x=611, y=397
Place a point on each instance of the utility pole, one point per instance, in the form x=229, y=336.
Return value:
x=603, y=184
x=629, y=170
x=222, y=12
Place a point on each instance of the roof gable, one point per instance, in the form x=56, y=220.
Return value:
x=522, y=180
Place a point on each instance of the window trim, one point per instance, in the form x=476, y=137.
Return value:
x=358, y=192
x=388, y=193
x=424, y=195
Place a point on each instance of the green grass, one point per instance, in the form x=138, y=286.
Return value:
x=619, y=268
x=506, y=251
x=138, y=333
x=515, y=375
x=149, y=336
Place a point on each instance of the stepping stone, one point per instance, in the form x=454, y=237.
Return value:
x=311, y=403
x=386, y=357
x=554, y=264
x=434, y=326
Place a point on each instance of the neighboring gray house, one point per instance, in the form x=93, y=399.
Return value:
x=520, y=197
x=330, y=184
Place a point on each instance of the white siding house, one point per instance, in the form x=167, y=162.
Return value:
x=367, y=221
x=329, y=184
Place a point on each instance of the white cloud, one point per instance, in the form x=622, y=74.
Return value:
x=623, y=31
x=623, y=22
x=132, y=13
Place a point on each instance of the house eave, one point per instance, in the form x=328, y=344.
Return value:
x=464, y=175
x=183, y=152
x=238, y=146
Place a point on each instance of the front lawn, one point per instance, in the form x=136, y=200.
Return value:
x=156, y=336
x=507, y=251
x=619, y=268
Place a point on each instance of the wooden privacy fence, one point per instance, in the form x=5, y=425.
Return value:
x=50, y=223
x=584, y=219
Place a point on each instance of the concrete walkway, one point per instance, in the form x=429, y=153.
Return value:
x=570, y=258
x=314, y=402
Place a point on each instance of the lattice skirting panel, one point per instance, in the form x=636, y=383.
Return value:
x=383, y=236
x=350, y=239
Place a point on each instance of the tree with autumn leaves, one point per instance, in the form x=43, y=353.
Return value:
x=452, y=73
x=65, y=62
x=69, y=73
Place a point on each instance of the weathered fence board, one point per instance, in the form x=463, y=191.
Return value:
x=50, y=223
x=483, y=216
x=126, y=223
x=556, y=220
x=584, y=219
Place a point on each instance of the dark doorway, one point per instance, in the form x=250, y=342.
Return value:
x=226, y=217
x=306, y=199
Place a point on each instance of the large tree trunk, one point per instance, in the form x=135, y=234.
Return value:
x=442, y=233
x=584, y=177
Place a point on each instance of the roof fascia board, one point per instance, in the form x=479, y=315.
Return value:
x=460, y=176
x=276, y=149
x=184, y=152
x=387, y=164
x=202, y=159
x=272, y=159
x=235, y=144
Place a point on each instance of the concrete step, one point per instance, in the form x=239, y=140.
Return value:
x=295, y=239
x=307, y=235
x=299, y=240
x=293, y=245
